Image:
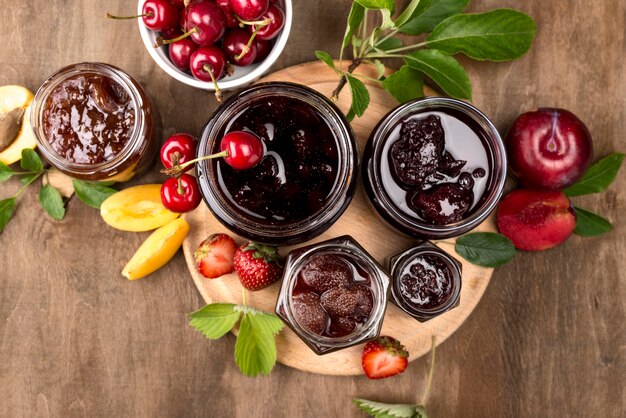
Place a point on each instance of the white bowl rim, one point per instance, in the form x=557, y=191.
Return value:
x=149, y=37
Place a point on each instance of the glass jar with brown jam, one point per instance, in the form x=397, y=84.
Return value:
x=94, y=122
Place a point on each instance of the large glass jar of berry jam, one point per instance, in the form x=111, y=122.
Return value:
x=306, y=177
x=333, y=295
x=434, y=168
x=94, y=122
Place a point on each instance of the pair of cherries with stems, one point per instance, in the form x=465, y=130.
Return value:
x=180, y=193
x=206, y=22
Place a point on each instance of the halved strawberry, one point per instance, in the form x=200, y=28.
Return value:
x=384, y=357
x=214, y=256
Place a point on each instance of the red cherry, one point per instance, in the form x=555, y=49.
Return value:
x=182, y=146
x=263, y=49
x=249, y=9
x=235, y=41
x=180, y=53
x=229, y=16
x=181, y=194
x=156, y=15
x=276, y=17
x=178, y=3
x=205, y=59
x=207, y=20
x=244, y=149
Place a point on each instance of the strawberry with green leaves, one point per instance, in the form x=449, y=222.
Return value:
x=384, y=357
x=257, y=265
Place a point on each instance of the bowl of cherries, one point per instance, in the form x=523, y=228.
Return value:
x=214, y=44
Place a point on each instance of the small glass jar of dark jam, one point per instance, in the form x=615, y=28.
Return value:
x=94, y=122
x=306, y=178
x=425, y=281
x=434, y=168
x=333, y=295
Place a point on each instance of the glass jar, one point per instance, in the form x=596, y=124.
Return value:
x=423, y=202
x=308, y=173
x=302, y=299
x=93, y=122
x=425, y=281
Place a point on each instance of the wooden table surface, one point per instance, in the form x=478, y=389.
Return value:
x=77, y=339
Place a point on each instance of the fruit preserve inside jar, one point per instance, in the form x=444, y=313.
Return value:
x=93, y=122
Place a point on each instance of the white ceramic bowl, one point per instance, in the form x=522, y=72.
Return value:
x=242, y=75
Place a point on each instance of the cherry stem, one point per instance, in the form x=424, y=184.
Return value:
x=160, y=41
x=178, y=169
x=246, y=48
x=263, y=22
x=110, y=16
x=431, y=372
x=218, y=92
x=180, y=189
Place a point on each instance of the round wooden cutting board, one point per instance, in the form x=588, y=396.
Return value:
x=362, y=224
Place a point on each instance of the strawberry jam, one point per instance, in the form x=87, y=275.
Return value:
x=299, y=170
x=332, y=296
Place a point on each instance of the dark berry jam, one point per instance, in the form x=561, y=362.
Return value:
x=435, y=166
x=426, y=282
x=299, y=170
x=332, y=296
x=88, y=119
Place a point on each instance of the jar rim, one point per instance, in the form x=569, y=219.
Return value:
x=341, y=193
x=494, y=147
x=129, y=85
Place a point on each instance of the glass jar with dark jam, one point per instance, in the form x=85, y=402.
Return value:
x=94, y=122
x=434, y=168
x=333, y=295
x=425, y=281
x=306, y=178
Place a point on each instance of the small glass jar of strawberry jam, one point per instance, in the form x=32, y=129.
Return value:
x=306, y=177
x=333, y=295
x=434, y=168
x=425, y=281
x=93, y=122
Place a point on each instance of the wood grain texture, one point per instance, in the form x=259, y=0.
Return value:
x=359, y=221
x=77, y=339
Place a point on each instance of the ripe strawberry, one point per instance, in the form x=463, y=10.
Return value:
x=384, y=357
x=258, y=265
x=214, y=256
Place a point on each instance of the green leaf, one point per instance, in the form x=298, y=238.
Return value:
x=429, y=13
x=598, y=177
x=443, y=70
x=387, y=22
x=5, y=172
x=31, y=161
x=52, y=202
x=7, y=207
x=378, y=4
x=354, y=20
x=92, y=194
x=498, y=35
x=325, y=58
x=29, y=178
x=360, y=95
x=387, y=410
x=407, y=13
x=486, y=249
x=380, y=68
x=405, y=84
x=387, y=44
x=255, y=350
x=215, y=320
x=589, y=224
